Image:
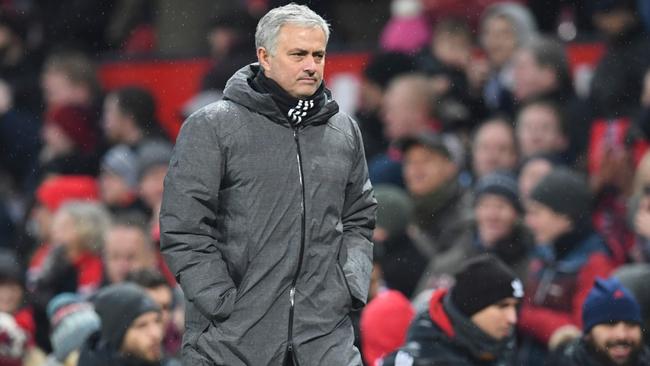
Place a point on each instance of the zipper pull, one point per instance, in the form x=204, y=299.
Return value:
x=292, y=295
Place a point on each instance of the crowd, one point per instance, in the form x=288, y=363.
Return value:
x=513, y=221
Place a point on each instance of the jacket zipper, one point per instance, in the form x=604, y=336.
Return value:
x=292, y=291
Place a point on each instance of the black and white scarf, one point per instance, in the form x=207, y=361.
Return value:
x=296, y=110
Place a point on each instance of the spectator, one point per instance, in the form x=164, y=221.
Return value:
x=118, y=180
x=407, y=111
x=407, y=30
x=397, y=259
x=69, y=142
x=153, y=160
x=157, y=287
x=128, y=248
x=73, y=262
x=541, y=70
x=441, y=204
x=568, y=257
x=381, y=69
x=12, y=292
x=69, y=78
x=384, y=322
x=541, y=129
x=129, y=117
x=494, y=147
x=612, y=333
x=496, y=227
x=636, y=278
x=131, y=332
x=72, y=321
x=639, y=209
x=504, y=28
x=618, y=79
x=470, y=324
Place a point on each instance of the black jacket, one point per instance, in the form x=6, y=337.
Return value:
x=267, y=228
x=95, y=353
x=442, y=336
x=577, y=353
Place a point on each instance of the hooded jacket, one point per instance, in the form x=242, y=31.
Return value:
x=96, y=352
x=444, y=336
x=267, y=228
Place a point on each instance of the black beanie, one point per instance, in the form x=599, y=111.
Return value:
x=500, y=183
x=483, y=281
x=565, y=192
x=118, y=306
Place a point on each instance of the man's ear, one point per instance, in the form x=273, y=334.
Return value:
x=263, y=58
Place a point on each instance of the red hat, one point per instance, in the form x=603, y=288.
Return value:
x=384, y=323
x=54, y=192
x=77, y=123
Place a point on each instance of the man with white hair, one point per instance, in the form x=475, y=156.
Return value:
x=268, y=211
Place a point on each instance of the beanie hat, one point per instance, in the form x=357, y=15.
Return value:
x=11, y=270
x=153, y=153
x=565, y=192
x=394, y=208
x=72, y=322
x=77, y=123
x=484, y=281
x=609, y=302
x=120, y=160
x=384, y=67
x=499, y=183
x=384, y=324
x=118, y=306
x=13, y=341
x=56, y=191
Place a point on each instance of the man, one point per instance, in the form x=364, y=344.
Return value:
x=131, y=330
x=494, y=147
x=470, y=324
x=128, y=247
x=568, y=256
x=541, y=129
x=611, y=330
x=267, y=211
x=118, y=180
x=440, y=202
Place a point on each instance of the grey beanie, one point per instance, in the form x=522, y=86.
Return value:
x=118, y=306
x=394, y=207
x=153, y=153
x=122, y=161
x=73, y=320
x=565, y=192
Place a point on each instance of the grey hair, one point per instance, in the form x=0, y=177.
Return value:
x=268, y=28
x=521, y=18
x=91, y=220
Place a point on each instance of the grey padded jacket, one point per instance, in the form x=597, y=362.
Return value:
x=267, y=228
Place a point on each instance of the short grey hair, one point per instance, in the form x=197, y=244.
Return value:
x=268, y=28
x=519, y=16
x=91, y=221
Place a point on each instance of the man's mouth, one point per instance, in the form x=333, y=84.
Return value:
x=619, y=351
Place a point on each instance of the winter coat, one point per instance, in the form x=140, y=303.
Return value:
x=96, y=353
x=577, y=353
x=267, y=228
x=559, y=281
x=442, y=336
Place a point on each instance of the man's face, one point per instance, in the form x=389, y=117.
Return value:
x=162, y=295
x=125, y=250
x=531, y=79
x=453, y=49
x=616, y=344
x=298, y=63
x=426, y=170
x=151, y=185
x=498, y=320
x=113, y=120
x=114, y=189
x=494, y=148
x=545, y=224
x=57, y=88
x=499, y=40
x=11, y=296
x=143, y=338
x=495, y=218
x=539, y=131
x=404, y=111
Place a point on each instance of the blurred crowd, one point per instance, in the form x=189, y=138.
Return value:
x=477, y=138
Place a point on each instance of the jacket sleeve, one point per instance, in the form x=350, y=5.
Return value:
x=188, y=220
x=359, y=210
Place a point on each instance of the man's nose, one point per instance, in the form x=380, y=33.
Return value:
x=309, y=66
x=511, y=315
